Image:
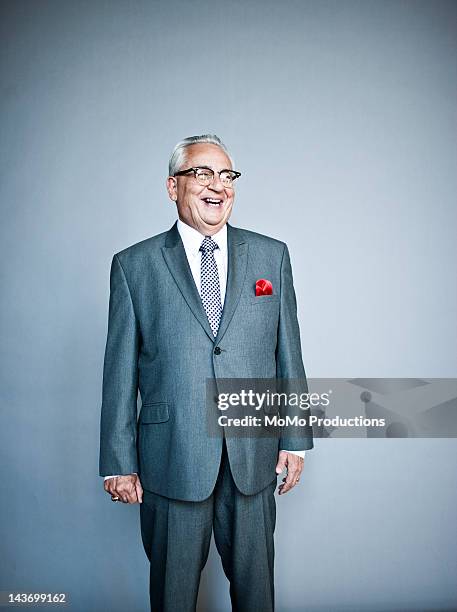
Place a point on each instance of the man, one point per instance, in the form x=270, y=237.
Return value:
x=183, y=309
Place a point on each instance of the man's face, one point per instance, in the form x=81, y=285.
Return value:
x=206, y=208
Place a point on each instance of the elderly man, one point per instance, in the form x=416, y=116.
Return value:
x=185, y=307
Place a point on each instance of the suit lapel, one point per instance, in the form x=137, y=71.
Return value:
x=237, y=264
x=176, y=260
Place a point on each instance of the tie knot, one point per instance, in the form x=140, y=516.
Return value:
x=208, y=245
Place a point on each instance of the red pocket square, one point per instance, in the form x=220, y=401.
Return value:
x=263, y=287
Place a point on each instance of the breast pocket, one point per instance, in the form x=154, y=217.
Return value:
x=264, y=299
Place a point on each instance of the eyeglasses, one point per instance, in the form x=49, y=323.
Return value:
x=205, y=176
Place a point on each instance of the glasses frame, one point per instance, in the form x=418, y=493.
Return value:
x=219, y=172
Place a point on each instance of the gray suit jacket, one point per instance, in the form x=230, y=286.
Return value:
x=160, y=343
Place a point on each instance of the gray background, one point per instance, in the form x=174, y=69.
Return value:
x=341, y=116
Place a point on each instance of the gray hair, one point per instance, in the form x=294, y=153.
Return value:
x=178, y=157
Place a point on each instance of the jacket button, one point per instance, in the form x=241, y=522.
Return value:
x=217, y=350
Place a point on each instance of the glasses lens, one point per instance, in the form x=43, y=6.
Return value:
x=204, y=176
x=227, y=178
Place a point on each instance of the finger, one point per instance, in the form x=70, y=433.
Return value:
x=135, y=491
x=285, y=488
x=289, y=482
x=124, y=487
x=129, y=495
x=121, y=492
x=282, y=462
x=292, y=473
x=139, y=491
x=295, y=469
x=111, y=485
x=108, y=484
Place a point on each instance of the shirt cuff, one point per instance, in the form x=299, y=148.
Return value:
x=300, y=453
x=115, y=476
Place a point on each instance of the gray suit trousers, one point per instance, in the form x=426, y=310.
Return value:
x=177, y=534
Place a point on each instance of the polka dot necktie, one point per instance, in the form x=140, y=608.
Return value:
x=209, y=284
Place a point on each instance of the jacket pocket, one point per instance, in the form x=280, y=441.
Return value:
x=154, y=413
x=264, y=299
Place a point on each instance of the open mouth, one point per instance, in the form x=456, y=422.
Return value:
x=215, y=202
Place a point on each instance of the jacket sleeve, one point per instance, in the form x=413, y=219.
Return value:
x=118, y=423
x=289, y=363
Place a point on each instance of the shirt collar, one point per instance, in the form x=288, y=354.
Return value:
x=192, y=238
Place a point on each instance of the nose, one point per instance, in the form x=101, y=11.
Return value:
x=216, y=184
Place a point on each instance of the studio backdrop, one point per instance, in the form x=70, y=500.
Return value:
x=341, y=117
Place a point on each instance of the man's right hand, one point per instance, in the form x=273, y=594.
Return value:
x=127, y=488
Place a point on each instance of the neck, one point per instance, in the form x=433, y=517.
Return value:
x=204, y=230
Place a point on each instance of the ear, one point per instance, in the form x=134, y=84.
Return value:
x=172, y=188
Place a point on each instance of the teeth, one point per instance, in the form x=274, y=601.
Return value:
x=211, y=201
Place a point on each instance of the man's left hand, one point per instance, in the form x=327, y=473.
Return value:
x=294, y=465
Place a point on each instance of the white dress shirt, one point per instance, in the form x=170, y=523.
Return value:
x=192, y=240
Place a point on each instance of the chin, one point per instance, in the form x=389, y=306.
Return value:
x=214, y=220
